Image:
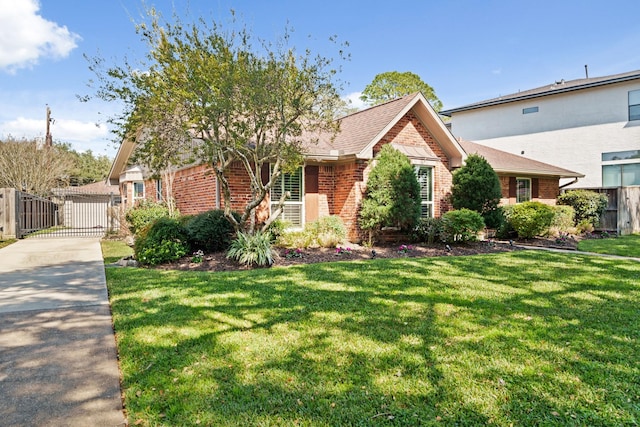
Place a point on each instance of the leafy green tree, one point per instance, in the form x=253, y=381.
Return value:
x=392, y=198
x=476, y=186
x=240, y=103
x=393, y=84
x=87, y=167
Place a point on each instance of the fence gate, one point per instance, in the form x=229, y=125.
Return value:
x=65, y=212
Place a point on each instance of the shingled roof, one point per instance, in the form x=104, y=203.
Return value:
x=512, y=164
x=361, y=131
x=554, y=88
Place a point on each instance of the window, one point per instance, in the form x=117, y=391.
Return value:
x=523, y=190
x=425, y=178
x=158, y=190
x=621, y=168
x=292, y=209
x=621, y=155
x=138, y=190
x=634, y=105
x=621, y=175
x=529, y=110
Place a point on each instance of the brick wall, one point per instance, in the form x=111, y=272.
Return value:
x=347, y=196
x=548, y=190
x=410, y=131
x=194, y=190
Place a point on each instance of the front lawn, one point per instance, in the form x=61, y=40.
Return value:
x=522, y=338
x=622, y=245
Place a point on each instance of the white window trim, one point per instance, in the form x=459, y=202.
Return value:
x=518, y=193
x=430, y=203
x=144, y=189
x=301, y=203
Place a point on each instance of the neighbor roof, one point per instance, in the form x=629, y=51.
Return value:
x=557, y=87
x=512, y=164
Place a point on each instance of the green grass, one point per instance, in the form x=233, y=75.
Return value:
x=7, y=242
x=522, y=338
x=622, y=245
x=114, y=250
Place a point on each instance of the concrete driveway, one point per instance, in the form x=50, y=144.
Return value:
x=58, y=360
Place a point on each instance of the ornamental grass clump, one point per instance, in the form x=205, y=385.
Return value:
x=252, y=249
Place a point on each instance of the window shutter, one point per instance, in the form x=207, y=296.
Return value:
x=311, y=179
x=513, y=187
x=534, y=188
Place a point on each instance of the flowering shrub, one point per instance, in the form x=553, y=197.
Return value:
x=562, y=238
x=404, y=249
x=342, y=251
x=198, y=256
x=293, y=253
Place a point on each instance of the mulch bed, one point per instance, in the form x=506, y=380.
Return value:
x=218, y=261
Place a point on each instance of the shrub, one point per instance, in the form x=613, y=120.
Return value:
x=162, y=241
x=295, y=239
x=143, y=214
x=585, y=226
x=252, y=249
x=530, y=219
x=211, y=230
x=278, y=228
x=476, y=186
x=461, y=225
x=588, y=205
x=392, y=198
x=428, y=230
x=327, y=232
x=563, y=217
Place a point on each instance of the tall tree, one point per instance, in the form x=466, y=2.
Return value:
x=393, y=84
x=248, y=105
x=27, y=165
x=87, y=167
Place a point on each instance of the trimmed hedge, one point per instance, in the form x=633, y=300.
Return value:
x=461, y=225
x=164, y=240
x=530, y=219
x=210, y=231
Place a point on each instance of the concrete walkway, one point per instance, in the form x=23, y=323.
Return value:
x=58, y=359
x=570, y=251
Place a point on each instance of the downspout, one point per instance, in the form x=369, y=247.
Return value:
x=568, y=183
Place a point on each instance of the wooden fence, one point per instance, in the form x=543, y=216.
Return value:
x=623, y=210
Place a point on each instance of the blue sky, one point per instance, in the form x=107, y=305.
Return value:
x=467, y=50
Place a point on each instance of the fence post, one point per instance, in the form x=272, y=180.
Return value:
x=8, y=213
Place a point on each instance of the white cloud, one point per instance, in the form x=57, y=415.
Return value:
x=82, y=135
x=25, y=36
x=354, y=101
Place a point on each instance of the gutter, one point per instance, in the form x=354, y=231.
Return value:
x=507, y=99
x=568, y=183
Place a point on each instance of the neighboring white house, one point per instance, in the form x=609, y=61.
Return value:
x=591, y=125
